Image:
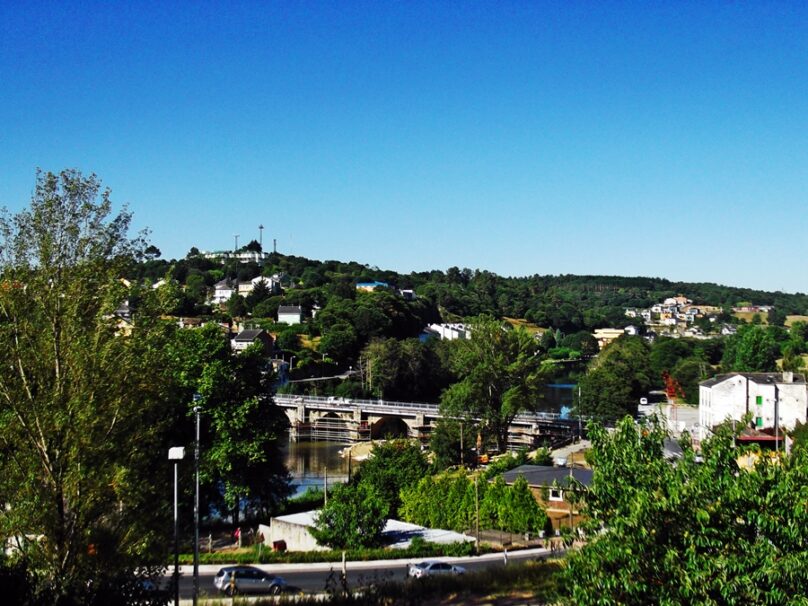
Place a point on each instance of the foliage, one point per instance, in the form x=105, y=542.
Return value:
x=418, y=548
x=505, y=463
x=700, y=531
x=405, y=370
x=543, y=456
x=752, y=349
x=445, y=444
x=450, y=499
x=689, y=372
x=393, y=466
x=288, y=340
x=501, y=375
x=353, y=517
x=616, y=380
x=83, y=398
x=241, y=423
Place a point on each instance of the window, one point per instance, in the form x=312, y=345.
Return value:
x=556, y=494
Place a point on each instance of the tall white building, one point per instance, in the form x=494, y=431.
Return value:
x=733, y=396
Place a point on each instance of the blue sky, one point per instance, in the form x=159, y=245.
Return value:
x=656, y=139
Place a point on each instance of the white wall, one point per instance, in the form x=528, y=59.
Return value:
x=728, y=400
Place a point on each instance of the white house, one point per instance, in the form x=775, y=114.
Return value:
x=733, y=396
x=290, y=314
x=272, y=283
x=222, y=291
x=249, y=336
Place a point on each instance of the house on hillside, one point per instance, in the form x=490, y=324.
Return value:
x=290, y=314
x=604, y=336
x=552, y=488
x=272, y=283
x=222, y=291
x=249, y=336
x=759, y=394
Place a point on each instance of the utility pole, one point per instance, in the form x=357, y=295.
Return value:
x=176, y=454
x=477, y=510
x=197, y=411
x=462, y=462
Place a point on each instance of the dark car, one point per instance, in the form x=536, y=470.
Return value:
x=247, y=579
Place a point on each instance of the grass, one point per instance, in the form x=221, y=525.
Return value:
x=528, y=326
x=748, y=315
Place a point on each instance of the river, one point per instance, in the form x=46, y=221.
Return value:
x=310, y=462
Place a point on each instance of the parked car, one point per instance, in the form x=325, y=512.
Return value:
x=247, y=579
x=432, y=567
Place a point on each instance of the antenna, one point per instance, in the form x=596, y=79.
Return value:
x=274, y=245
x=261, y=235
x=236, y=237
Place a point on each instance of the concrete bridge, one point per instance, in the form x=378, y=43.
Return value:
x=353, y=420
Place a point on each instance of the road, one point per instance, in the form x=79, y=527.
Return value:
x=312, y=578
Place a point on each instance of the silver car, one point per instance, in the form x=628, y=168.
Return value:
x=247, y=579
x=432, y=567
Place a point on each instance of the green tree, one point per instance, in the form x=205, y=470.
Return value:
x=523, y=514
x=195, y=288
x=752, y=349
x=242, y=425
x=339, y=343
x=502, y=376
x=288, y=340
x=393, y=466
x=83, y=398
x=493, y=504
x=354, y=517
x=236, y=306
x=700, y=531
x=616, y=380
x=689, y=372
x=666, y=354
x=445, y=444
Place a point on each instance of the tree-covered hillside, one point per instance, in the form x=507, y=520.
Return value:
x=566, y=302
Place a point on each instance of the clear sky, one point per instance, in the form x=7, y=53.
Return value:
x=657, y=139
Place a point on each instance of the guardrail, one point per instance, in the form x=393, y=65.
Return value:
x=390, y=406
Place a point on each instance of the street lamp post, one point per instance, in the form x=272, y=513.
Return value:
x=197, y=411
x=176, y=454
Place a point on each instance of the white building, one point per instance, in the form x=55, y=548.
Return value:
x=242, y=256
x=290, y=314
x=733, y=396
x=222, y=291
x=450, y=332
x=293, y=531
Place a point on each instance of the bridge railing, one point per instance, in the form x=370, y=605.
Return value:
x=392, y=406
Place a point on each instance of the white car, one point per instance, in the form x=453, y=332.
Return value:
x=432, y=567
x=247, y=579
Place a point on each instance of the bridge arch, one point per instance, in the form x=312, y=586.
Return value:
x=389, y=426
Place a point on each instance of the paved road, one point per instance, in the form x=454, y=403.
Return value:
x=312, y=578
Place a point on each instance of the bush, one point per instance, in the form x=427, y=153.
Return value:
x=263, y=555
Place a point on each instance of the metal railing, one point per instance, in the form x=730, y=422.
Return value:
x=394, y=407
